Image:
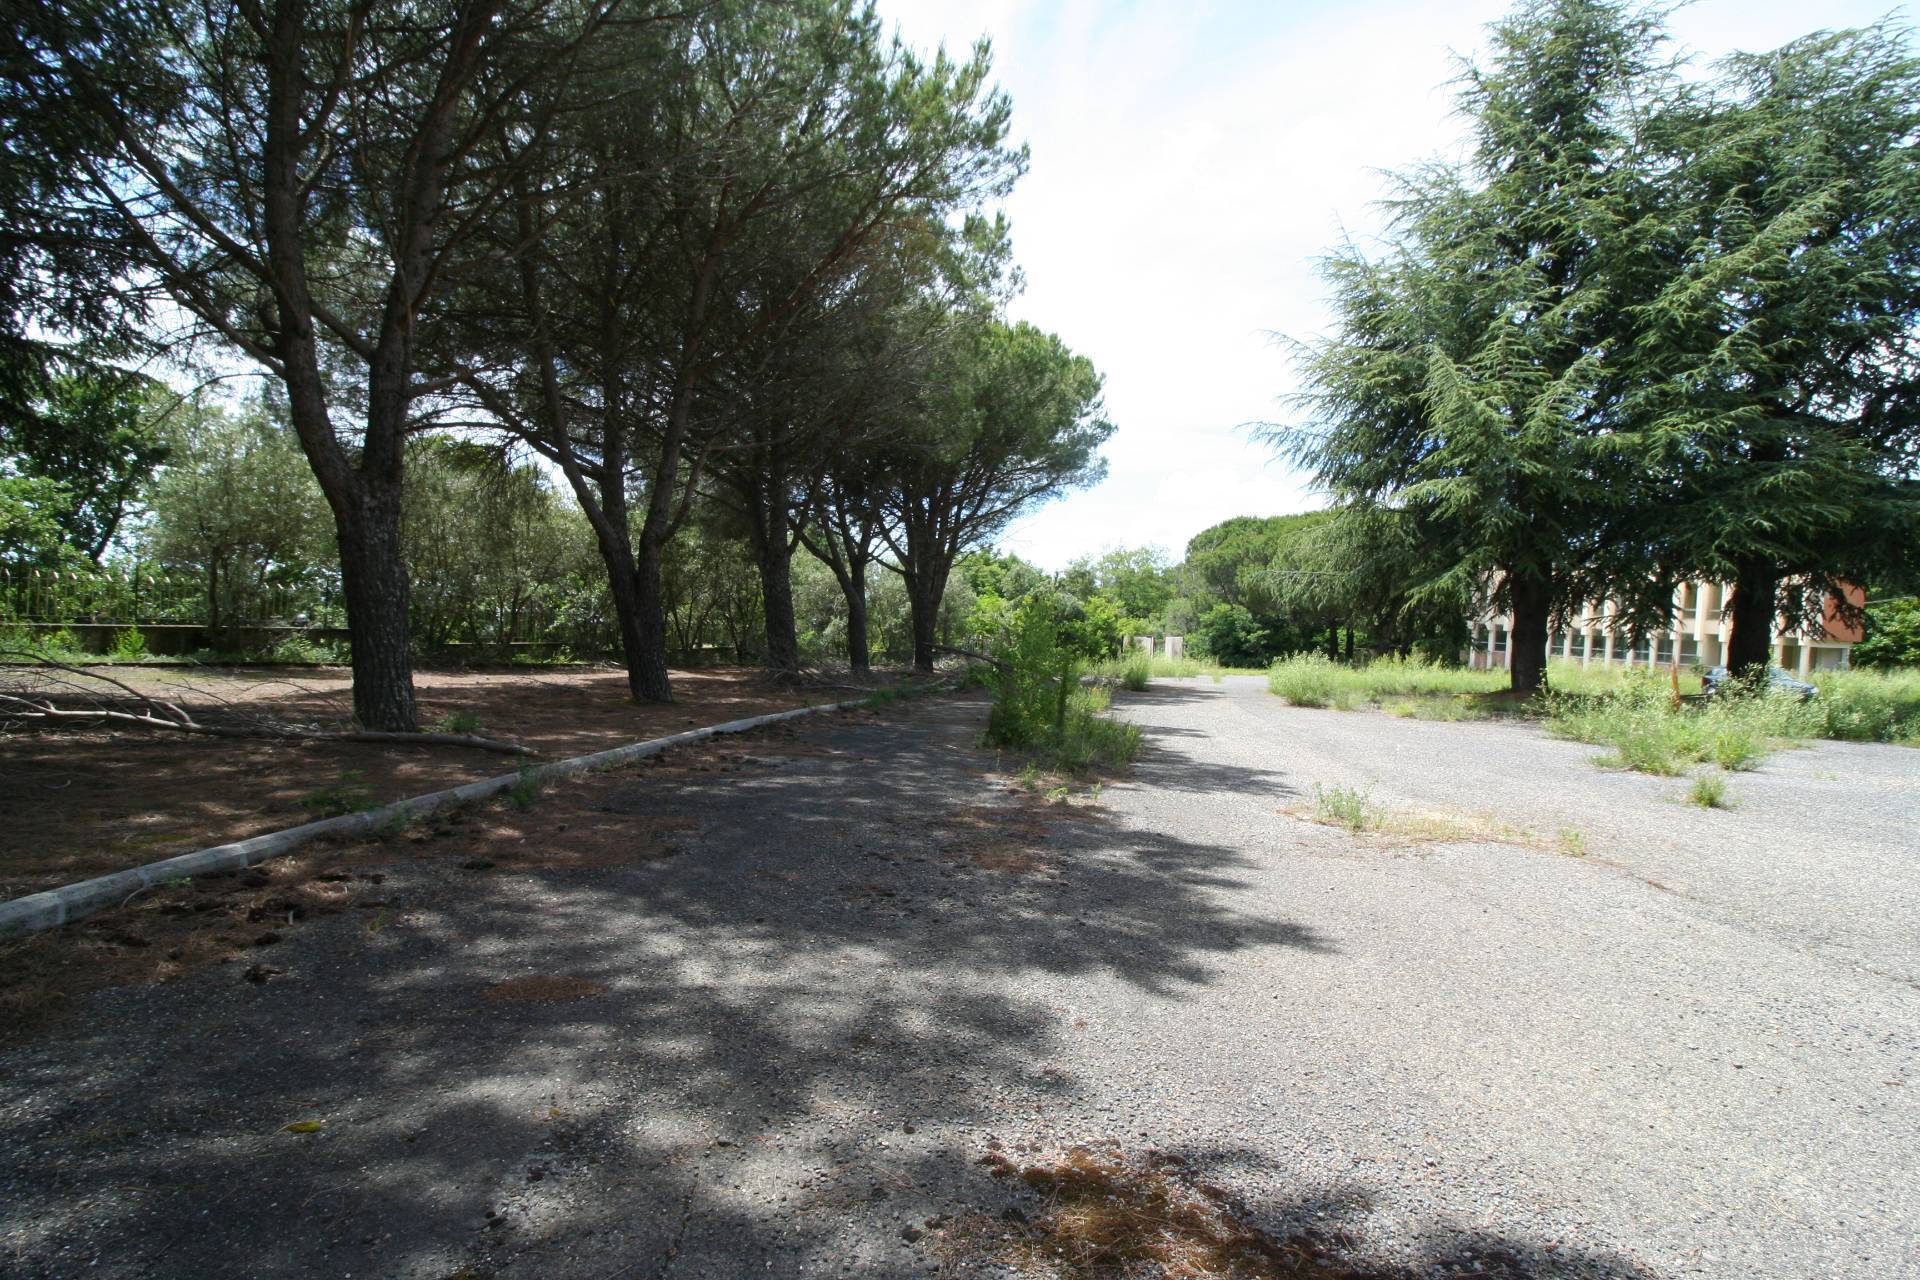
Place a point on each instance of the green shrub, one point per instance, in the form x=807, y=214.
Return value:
x=129, y=645
x=300, y=647
x=1231, y=636
x=1136, y=671
x=1039, y=704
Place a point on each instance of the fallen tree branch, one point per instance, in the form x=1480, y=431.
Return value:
x=969, y=653
x=32, y=709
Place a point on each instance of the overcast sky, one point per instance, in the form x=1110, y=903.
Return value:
x=1191, y=162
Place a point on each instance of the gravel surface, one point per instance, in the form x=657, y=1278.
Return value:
x=1689, y=1052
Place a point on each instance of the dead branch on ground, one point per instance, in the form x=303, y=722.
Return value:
x=44, y=692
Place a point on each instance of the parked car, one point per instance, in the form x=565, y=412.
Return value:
x=1778, y=681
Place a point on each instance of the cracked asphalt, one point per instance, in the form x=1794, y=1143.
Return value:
x=1689, y=1052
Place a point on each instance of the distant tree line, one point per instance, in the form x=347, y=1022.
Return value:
x=1655, y=327
x=729, y=271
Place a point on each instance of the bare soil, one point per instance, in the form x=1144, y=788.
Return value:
x=81, y=802
x=239, y=918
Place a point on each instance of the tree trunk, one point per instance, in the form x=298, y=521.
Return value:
x=1333, y=642
x=859, y=649
x=1349, y=643
x=645, y=635
x=373, y=575
x=634, y=583
x=1755, y=608
x=923, y=601
x=775, y=558
x=1531, y=604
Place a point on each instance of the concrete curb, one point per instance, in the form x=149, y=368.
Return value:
x=55, y=907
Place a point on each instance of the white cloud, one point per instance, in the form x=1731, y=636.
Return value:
x=1190, y=164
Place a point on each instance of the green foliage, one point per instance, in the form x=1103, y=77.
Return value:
x=304, y=649
x=1031, y=686
x=129, y=645
x=95, y=433
x=1892, y=635
x=1229, y=635
x=1039, y=704
x=237, y=508
x=1136, y=672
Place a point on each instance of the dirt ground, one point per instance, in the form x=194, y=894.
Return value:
x=83, y=802
x=238, y=918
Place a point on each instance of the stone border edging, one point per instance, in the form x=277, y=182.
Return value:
x=51, y=908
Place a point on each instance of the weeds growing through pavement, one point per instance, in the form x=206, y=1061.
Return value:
x=1709, y=791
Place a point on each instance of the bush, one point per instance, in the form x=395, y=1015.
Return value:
x=129, y=645
x=301, y=648
x=1136, y=671
x=1039, y=704
x=1229, y=635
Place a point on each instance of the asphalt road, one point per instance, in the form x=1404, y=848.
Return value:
x=1689, y=1052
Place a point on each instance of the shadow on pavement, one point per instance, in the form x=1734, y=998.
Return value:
x=789, y=1038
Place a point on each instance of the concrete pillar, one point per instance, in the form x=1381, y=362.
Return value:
x=1144, y=644
x=1606, y=642
x=1806, y=660
x=1176, y=646
x=1509, y=654
x=1704, y=594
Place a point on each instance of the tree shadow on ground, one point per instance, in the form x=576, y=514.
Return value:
x=783, y=1044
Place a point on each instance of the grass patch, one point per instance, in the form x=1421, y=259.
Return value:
x=1347, y=807
x=1356, y=812
x=1650, y=734
x=1128, y=668
x=461, y=722
x=351, y=794
x=1869, y=706
x=525, y=789
x=1709, y=791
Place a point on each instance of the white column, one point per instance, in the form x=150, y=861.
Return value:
x=1806, y=660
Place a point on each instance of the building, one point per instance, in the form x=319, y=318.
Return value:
x=1698, y=637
